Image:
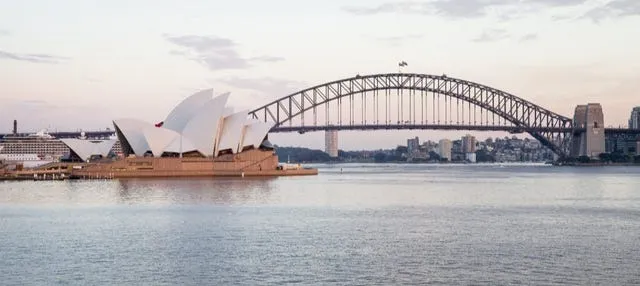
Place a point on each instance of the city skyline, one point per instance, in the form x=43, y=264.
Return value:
x=82, y=67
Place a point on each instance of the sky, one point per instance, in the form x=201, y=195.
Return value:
x=79, y=64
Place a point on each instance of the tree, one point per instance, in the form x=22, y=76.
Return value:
x=434, y=156
x=584, y=159
x=301, y=155
x=605, y=157
x=484, y=156
x=379, y=157
x=402, y=150
x=619, y=157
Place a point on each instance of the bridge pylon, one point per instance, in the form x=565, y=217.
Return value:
x=588, y=131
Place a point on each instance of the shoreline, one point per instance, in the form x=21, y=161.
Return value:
x=596, y=164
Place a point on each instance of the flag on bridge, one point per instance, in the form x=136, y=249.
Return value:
x=402, y=64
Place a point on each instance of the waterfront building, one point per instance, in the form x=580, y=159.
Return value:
x=331, y=143
x=200, y=137
x=468, y=144
x=444, y=149
x=634, y=119
x=470, y=157
x=413, y=145
x=429, y=146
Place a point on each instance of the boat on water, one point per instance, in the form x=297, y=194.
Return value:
x=31, y=150
x=41, y=144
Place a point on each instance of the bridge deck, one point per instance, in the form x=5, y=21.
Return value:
x=364, y=127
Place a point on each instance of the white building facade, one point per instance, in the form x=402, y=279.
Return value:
x=444, y=149
x=634, y=119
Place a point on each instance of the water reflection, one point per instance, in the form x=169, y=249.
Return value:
x=353, y=185
x=226, y=191
x=223, y=191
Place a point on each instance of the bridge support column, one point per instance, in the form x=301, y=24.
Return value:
x=588, y=136
x=331, y=143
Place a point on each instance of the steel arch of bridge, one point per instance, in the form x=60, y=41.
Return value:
x=551, y=129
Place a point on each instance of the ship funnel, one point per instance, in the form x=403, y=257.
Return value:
x=15, y=127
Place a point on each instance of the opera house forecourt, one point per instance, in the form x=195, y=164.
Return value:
x=199, y=137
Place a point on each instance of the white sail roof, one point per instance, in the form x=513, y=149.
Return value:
x=182, y=113
x=227, y=111
x=232, y=128
x=132, y=131
x=202, y=128
x=254, y=133
x=179, y=145
x=199, y=123
x=159, y=138
x=87, y=148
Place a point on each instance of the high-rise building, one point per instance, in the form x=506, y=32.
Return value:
x=634, y=119
x=331, y=143
x=468, y=144
x=413, y=145
x=444, y=149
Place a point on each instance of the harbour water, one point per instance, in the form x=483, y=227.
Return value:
x=350, y=225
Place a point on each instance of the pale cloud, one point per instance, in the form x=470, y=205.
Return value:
x=615, y=8
x=458, y=8
x=397, y=40
x=4, y=32
x=466, y=8
x=492, y=35
x=33, y=58
x=496, y=35
x=268, y=88
x=267, y=59
x=213, y=52
x=405, y=7
x=528, y=37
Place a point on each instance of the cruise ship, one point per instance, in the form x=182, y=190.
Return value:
x=26, y=146
x=34, y=149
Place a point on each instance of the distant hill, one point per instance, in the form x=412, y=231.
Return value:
x=302, y=155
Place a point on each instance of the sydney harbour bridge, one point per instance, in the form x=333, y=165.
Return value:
x=410, y=101
x=420, y=101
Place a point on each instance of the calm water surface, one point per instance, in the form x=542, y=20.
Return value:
x=364, y=225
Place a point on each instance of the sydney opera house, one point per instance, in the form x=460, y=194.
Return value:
x=199, y=137
x=200, y=126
